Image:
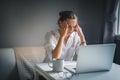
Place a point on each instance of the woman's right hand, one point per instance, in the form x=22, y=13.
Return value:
x=56, y=53
x=63, y=29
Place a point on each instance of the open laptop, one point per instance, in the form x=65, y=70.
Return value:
x=92, y=58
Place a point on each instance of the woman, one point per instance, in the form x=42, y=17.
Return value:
x=63, y=42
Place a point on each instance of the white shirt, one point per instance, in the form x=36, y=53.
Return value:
x=68, y=49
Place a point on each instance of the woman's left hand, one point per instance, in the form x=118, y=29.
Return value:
x=77, y=28
x=80, y=33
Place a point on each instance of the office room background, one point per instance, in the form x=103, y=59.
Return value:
x=25, y=22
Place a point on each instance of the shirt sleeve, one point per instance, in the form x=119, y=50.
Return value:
x=78, y=42
x=50, y=44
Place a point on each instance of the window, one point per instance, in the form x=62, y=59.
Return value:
x=118, y=20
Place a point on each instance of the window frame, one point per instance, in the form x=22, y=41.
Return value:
x=118, y=20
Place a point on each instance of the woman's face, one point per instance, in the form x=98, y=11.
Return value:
x=71, y=25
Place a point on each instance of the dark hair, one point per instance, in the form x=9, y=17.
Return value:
x=67, y=15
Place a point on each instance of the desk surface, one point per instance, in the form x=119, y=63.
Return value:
x=44, y=70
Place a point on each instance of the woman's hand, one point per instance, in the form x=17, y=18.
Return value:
x=78, y=29
x=56, y=53
x=63, y=29
x=80, y=33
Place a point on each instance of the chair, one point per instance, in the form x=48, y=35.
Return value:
x=26, y=58
x=8, y=67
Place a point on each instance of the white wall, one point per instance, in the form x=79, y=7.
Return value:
x=25, y=22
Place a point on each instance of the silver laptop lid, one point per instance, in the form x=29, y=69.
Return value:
x=95, y=57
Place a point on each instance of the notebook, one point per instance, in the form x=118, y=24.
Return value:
x=92, y=58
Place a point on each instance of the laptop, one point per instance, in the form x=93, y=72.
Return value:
x=92, y=58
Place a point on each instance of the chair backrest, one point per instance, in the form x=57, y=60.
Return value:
x=33, y=54
x=26, y=59
x=8, y=68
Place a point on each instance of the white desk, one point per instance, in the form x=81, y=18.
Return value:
x=44, y=70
